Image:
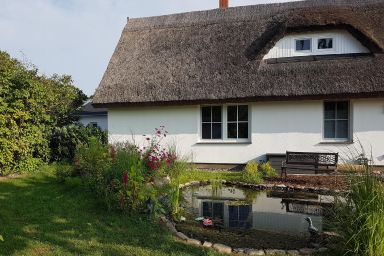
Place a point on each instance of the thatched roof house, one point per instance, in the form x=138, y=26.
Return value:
x=216, y=55
x=297, y=76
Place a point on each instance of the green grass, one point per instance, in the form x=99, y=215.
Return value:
x=40, y=216
x=197, y=175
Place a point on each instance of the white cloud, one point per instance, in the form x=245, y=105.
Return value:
x=77, y=37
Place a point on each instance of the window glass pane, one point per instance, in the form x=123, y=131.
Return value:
x=303, y=45
x=243, y=130
x=206, y=131
x=329, y=110
x=216, y=131
x=232, y=130
x=207, y=209
x=342, y=110
x=244, y=211
x=216, y=114
x=329, y=129
x=243, y=113
x=233, y=213
x=232, y=113
x=325, y=43
x=218, y=211
x=206, y=114
x=342, y=129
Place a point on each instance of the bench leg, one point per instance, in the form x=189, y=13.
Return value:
x=283, y=172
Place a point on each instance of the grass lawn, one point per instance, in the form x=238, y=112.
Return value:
x=39, y=216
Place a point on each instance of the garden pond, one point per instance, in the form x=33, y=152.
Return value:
x=249, y=218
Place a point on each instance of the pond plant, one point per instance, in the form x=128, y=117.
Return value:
x=360, y=220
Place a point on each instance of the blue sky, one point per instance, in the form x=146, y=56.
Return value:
x=77, y=37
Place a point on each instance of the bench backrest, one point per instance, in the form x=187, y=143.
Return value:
x=312, y=158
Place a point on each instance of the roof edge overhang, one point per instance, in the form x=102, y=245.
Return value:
x=244, y=100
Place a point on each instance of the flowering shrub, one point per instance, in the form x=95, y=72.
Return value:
x=127, y=177
x=154, y=156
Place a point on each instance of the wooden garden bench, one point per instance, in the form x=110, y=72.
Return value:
x=309, y=161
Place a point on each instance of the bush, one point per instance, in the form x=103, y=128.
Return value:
x=63, y=171
x=267, y=170
x=360, y=220
x=92, y=162
x=251, y=173
x=65, y=140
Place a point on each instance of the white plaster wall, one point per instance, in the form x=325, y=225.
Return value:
x=343, y=43
x=102, y=121
x=275, y=128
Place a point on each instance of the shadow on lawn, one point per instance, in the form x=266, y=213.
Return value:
x=39, y=216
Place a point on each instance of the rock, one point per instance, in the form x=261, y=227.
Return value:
x=163, y=219
x=221, y=248
x=182, y=218
x=194, y=183
x=293, y=252
x=207, y=244
x=171, y=227
x=161, y=181
x=193, y=242
x=281, y=187
x=182, y=236
x=322, y=249
x=274, y=252
x=314, y=245
x=255, y=252
x=239, y=250
x=307, y=251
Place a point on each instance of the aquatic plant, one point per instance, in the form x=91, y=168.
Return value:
x=360, y=220
x=251, y=173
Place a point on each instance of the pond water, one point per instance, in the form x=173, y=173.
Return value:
x=246, y=209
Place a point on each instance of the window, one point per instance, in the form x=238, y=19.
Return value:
x=303, y=44
x=211, y=118
x=237, y=122
x=325, y=43
x=240, y=216
x=214, y=210
x=336, y=120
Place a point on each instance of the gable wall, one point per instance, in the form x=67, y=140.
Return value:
x=275, y=128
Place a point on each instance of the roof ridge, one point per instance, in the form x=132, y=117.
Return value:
x=231, y=14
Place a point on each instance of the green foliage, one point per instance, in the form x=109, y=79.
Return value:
x=64, y=140
x=30, y=106
x=63, y=171
x=251, y=173
x=93, y=161
x=360, y=219
x=267, y=170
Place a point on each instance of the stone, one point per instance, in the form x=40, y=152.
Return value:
x=255, y=252
x=181, y=235
x=207, y=244
x=315, y=245
x=322, y=249
x=275, y=252
x=293, y=252
x=239, y=250
x=307, y=251
x=221, y=248
x=171, y=227
x=161, y=181
x=193, y=241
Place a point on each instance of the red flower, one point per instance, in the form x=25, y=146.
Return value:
x=147, y=138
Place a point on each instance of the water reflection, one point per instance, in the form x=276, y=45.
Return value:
x=282, y=212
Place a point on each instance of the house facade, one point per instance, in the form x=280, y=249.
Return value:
x=235, y=84
x=97, y=117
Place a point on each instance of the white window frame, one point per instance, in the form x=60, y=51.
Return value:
x=350, y=132
x=300, y=39
x=325, y=37
x=224, y=126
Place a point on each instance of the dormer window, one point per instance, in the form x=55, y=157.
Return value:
x=298, y=46
x=303, y=44
x=325, y=43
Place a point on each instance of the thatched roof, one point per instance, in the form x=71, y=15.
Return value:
x=216, y=56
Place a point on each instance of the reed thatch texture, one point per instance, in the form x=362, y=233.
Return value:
x=216, y=56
